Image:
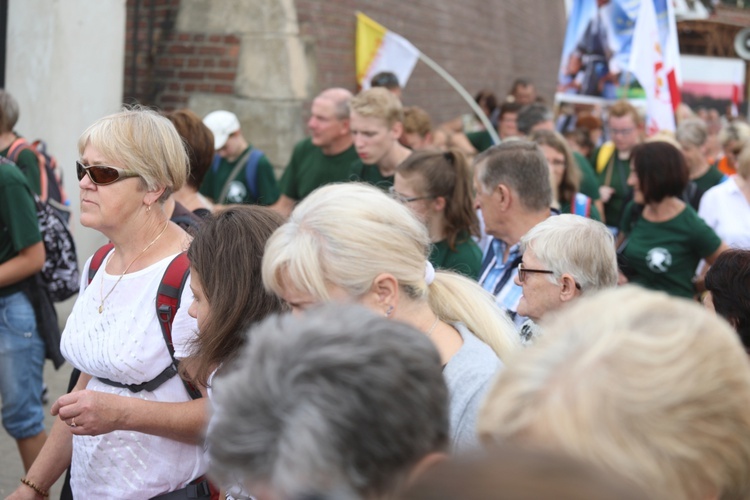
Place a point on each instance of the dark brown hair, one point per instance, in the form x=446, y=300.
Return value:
x=728, y=280
x=661, y=170
x=446, y=174
x=199, y=143
x=226, y=254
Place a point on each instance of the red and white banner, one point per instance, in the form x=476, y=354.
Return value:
x=647, y=63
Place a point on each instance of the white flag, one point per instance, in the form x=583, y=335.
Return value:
x=647, y=64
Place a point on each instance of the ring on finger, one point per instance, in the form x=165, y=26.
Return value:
x=73, y=422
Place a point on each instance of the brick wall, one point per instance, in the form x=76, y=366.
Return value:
x=484, y=44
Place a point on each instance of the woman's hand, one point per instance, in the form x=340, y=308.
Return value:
x=605, y=193
x=24, y=492
x=90, y=413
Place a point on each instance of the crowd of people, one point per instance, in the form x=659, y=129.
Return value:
x=409, y=312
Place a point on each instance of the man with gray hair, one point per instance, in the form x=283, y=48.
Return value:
x=324, y=157
x=692, y=134
x=338, y=403
x=513, y=192
x=564, y=257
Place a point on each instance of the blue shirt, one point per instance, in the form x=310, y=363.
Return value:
x=497, y=277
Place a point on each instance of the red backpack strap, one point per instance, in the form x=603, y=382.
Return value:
x=98, y=259
x=168, y=301
x=16, y=147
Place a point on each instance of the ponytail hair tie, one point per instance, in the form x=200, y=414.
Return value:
x=429, y=273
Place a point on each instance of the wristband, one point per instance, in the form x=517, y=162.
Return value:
x=34, y=487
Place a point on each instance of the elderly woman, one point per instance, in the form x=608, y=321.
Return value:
x=662, y=246
x=733, y=137
x=639, y=384
x=125, y=444
x=564, y=257
x=353, y=243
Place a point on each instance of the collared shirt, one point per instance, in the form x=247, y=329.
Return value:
x=497, y=277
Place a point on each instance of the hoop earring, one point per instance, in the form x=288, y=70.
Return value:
x=148, y=208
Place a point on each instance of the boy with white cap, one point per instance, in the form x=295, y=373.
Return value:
x=240, y=173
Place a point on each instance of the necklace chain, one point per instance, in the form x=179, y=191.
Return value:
x=434, y=324
x=101, y=290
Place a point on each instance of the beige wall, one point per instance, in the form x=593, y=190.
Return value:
x=64, y=66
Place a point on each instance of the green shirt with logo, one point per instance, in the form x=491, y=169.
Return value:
x=309, y=168
x=266, y=187
x=664, y=255
x=465, y=259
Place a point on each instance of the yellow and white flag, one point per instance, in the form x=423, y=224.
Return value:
x=378, y=49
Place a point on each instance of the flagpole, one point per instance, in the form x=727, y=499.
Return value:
x=463, y=93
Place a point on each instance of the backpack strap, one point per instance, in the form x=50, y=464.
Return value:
x=14, y=151
x=98, y=259
x=167, y=302
x=251, y=171
x=168, y=298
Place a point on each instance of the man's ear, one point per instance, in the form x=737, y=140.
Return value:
x=568, y=288
x=505, y=196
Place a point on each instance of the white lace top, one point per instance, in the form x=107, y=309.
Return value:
x=125, y=344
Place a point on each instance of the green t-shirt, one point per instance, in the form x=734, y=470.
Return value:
x=309, y=168
x=239, y=191
x=359, y=172
x=664, y=255
x=481, y=140
x=711, y=178
x=19, y=227
x=466, y=259
x=613, y=209
x=589, y=182
x=593, y=211
x=29, y=165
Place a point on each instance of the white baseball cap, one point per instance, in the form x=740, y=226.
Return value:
x=222, y=124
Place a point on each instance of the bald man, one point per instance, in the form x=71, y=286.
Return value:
x=324, y=157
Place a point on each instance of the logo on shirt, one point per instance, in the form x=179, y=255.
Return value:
x=659, y=259
x=237, y=192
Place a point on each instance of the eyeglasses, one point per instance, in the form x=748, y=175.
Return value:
x=523, y=270
x=101, y=175
x=621, y=131
x=403, y=199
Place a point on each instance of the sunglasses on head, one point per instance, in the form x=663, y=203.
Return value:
x=101, y=175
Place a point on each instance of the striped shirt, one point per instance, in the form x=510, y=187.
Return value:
x=497, y=277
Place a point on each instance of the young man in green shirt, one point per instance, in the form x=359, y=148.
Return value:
x=376, y=122
x=612, y=160
x=324, y=157
x=26, y=160
x=246, y=186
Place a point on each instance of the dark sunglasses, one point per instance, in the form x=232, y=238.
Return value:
x=101, y=175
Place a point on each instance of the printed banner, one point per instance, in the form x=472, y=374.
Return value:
x=598, y=46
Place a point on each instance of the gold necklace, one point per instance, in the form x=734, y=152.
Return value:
x=103, y=299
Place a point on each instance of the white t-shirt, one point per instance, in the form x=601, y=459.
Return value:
x=125, y=344
x=726, y=210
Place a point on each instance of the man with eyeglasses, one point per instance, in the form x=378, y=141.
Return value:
x=324, y=157
x=564, y=257
x=612, y=161
x=514, y=194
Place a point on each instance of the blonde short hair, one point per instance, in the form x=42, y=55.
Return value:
x=649, y=386
x=347, y=234
x=379, y=103
x=143, y=141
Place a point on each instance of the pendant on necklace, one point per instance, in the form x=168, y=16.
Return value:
x=101, y=308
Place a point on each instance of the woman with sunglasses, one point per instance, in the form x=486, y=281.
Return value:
x=436, y=186
x=353, y=243
x=126, y=442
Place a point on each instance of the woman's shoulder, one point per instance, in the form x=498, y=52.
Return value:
x=475, y=360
